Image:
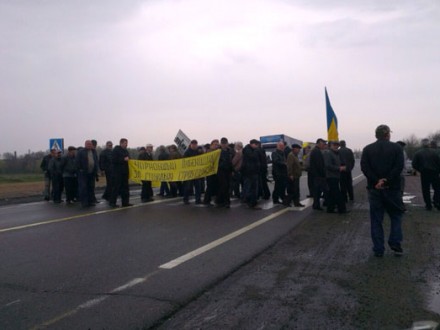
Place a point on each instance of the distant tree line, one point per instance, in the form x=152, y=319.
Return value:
x=30, y=162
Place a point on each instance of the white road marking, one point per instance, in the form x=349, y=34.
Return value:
x=79, y=216
x=176, y=262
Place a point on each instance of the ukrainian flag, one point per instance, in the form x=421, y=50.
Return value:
x=332, y=121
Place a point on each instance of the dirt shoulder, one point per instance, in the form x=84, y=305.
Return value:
x=322, y=275
x=28, y=191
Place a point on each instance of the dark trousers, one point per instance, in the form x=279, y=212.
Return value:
x=279, y=190
x=120, y=187
x=71, y=186
x=293, y=191
x=146, y=191
x=211, y=188
x=47, y=186
x=250, y=189
x=86, y=184
x=57, y=187
x=224, y=187
x=197, y=184
x=382, y=201
x=263, y=187
x=334, y=197
x=237, y=183
x=428, y=179
x=164, y=189
x=108, y=188
x=347, y=186
x=320, y=189
x=310, y=183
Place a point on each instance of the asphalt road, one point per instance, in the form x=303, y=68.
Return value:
x=62, y=267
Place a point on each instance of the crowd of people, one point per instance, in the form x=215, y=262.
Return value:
x=242, y=173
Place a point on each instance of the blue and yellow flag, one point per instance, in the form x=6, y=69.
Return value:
x=332, y=121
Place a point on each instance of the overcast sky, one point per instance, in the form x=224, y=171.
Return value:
x=106, y=69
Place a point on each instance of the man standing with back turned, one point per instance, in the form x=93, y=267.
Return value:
x=382, y=163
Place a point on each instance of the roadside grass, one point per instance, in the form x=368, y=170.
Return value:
x=20, y=178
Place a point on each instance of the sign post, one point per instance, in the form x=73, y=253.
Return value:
x=182, y=141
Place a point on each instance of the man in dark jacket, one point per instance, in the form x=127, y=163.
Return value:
x=56, y=172
x=120, y=159
x=70, y=175
x=317, y=171
x=347, y=159
x=47, y=177
x=87, y=163
x=427, y=162
x=192, y=151
x=224, y=175
x=279, y=172
x=250, y=169
x=382, y=163
x=147, y=189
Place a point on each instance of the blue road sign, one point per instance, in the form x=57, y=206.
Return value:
x=56, y=144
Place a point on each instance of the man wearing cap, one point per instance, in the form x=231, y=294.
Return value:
x=382, y=163
x=317, y=171
x=427, y=162
x=294, y=172
x=333, y=170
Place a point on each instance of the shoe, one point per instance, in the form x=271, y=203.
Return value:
x=298, y=205
x=113, y=205
x=318, y=208
x=254, y=207
x=378, y=254
x=428, y=207
x=46, y=198
x=186, y=202
x=198, y=202
x=287, y=204
x=398, y=252
x=276, y=202
x=127, y=205
x=331, y=211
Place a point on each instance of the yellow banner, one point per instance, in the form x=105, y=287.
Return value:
x=182, y=169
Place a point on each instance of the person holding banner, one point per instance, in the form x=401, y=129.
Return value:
x=147, y=190
x=192, y=151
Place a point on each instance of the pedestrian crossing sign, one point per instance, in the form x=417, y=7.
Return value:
x=57, y=144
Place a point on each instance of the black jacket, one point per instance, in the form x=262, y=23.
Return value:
x=382, y=160
x=120, y=166
x=317, y=164
x=426, y=159
x=251, y=161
